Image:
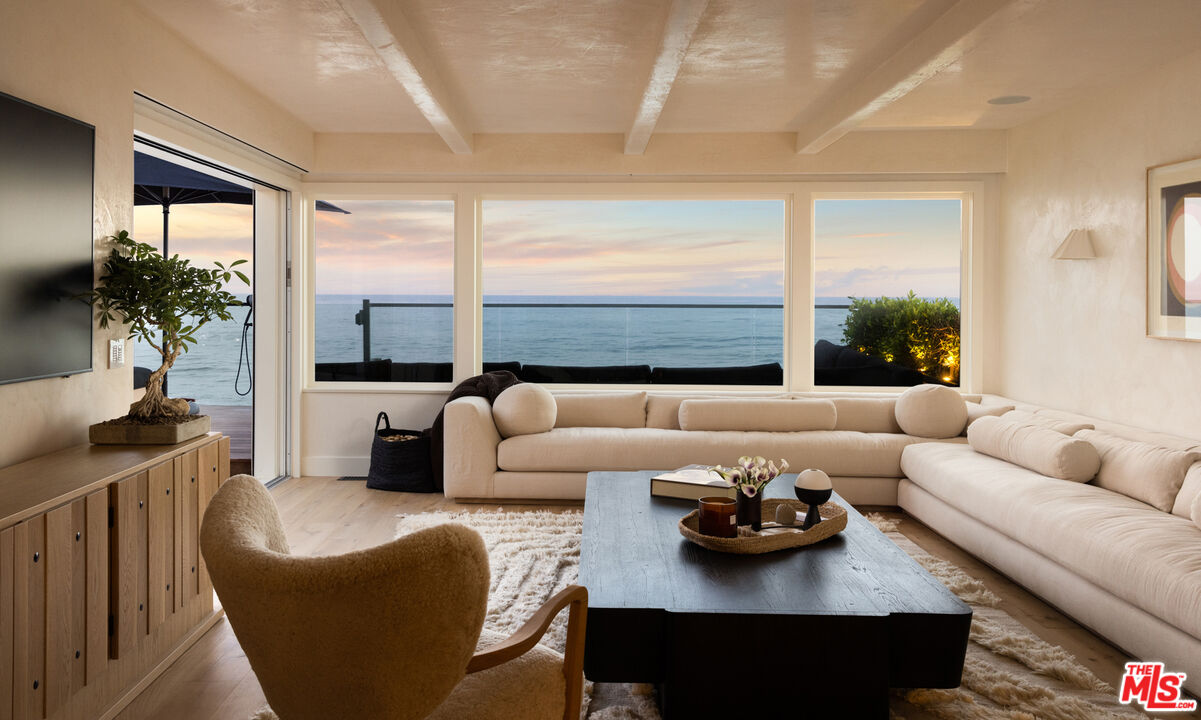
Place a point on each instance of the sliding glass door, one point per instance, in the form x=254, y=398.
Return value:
x=236, y=371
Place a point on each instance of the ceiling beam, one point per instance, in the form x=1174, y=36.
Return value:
x=405, y=57
x=683, y=17
x=915, y=59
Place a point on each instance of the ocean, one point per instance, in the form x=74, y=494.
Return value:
x=734, y=334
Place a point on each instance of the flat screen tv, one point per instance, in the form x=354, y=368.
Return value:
x=46, y=242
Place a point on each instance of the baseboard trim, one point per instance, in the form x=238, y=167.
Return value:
x=165, y=663
x=334, y=466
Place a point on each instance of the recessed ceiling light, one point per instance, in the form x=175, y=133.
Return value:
x=1009, y=100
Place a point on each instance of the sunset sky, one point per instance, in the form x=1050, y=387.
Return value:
x=568, y=247
x=873, y=248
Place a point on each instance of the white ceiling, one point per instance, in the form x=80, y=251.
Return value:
x=581, y=66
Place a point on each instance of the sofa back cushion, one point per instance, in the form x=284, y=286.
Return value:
x=1189, y=491
x=873, y=415
x=524, y=409
x=1059, y=425
x=931, y=411
x=1036, y=448
x=975, y=411
x=663, y=411
x=622, y=410
x=1146, y=472
x=749, y=414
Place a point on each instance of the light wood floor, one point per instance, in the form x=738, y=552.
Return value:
x=213, y=681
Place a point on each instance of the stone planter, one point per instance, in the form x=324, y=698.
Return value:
x=109, y=434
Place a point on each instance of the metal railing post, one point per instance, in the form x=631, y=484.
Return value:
x=363, y=317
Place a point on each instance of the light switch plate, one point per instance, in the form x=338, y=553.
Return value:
x=116, y=353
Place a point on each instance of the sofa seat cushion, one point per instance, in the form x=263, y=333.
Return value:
x=837, y=452
x=1149, y=558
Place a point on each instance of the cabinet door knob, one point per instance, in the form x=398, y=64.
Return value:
x=36, y=555
x=141, y=503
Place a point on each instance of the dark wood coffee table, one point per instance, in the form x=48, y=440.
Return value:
x=827, y=628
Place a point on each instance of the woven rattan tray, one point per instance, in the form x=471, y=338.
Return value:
x=749, y=542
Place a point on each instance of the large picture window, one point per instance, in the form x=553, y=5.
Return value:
x=384, y=291
x=685, y=292
x=887, y=286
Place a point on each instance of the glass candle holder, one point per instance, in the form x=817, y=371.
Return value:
x=718, y=516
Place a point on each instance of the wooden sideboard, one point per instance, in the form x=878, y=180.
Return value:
x=101, y=581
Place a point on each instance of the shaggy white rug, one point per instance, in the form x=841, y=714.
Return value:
x=1010, y=673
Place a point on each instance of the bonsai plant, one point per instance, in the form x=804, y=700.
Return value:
x=164, y=301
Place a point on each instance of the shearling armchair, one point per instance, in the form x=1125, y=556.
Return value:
x=385, y=633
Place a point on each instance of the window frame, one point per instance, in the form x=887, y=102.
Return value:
x=799, y=199
x=335, y=194
x=968, y=374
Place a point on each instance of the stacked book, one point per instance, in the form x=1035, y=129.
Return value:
x=690, y=483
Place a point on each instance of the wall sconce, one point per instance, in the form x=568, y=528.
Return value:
x=1078, y=245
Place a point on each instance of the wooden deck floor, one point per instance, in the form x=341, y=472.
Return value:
x=236, y=421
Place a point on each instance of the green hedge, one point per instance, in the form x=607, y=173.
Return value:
x=910, y=331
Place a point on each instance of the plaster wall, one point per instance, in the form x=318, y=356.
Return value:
x=1072, y=333
x=85, y=59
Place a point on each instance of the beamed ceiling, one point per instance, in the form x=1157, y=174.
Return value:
x=819, y=68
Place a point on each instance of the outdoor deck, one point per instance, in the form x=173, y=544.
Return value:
x=236, y=421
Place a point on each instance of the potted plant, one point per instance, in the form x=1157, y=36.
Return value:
x=164, y=301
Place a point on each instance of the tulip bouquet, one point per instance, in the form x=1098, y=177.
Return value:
x=751, y=474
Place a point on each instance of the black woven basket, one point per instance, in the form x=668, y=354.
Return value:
x=402, y=466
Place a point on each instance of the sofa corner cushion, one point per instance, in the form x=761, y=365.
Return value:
x=1189, y=491
x=749, y=415
x=975, y=411
x=1059, y=425
x=1145, y=472
x=524, y=409
x=1036, y=448
x=622, y=410
x=931, y=411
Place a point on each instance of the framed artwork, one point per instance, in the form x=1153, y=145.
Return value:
x=1174, y=251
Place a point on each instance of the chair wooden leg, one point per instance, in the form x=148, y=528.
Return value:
x=573, y=656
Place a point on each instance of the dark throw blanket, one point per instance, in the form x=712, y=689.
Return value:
x=488, y=385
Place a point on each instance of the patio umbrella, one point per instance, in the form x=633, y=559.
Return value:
x=161, y=182
x=164, y=183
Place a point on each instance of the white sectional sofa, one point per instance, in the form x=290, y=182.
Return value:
x=859, y=445
x=1120, y=553
x=1118, y=565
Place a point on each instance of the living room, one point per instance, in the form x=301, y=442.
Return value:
x=1057, y=130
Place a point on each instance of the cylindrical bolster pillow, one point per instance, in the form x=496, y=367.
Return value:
x=931, y=411
x=1036, y=448
x=524, y=409
x=757, y=415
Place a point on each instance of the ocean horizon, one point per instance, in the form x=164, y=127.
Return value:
x=704, y=336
